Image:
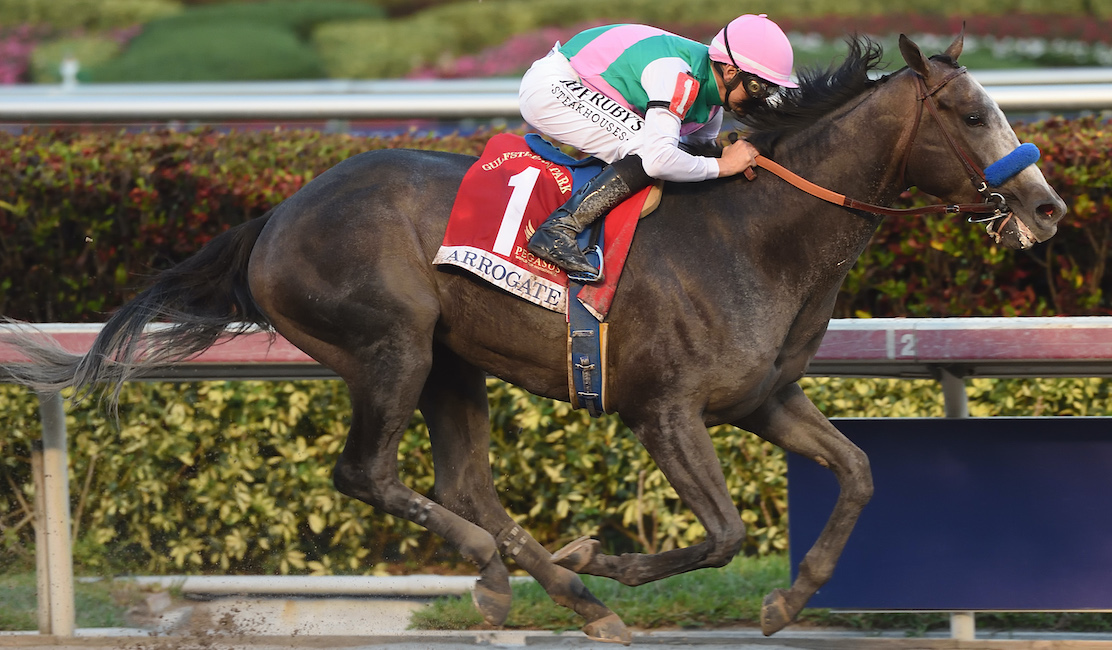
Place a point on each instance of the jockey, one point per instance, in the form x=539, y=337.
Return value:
x=630, y=95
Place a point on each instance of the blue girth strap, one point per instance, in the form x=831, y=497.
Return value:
x=587, y=353
x=586, y=335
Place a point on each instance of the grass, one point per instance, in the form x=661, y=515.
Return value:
x=99, y=604
x=710, y=598
x=725, y=597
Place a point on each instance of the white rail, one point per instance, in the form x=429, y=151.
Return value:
x=1070, y=89
x=947, y=349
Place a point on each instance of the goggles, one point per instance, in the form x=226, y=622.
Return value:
x=758, y=89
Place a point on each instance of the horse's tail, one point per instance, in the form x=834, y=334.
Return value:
x=202, y=299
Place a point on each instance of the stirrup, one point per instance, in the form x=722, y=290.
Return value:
x=588, y=278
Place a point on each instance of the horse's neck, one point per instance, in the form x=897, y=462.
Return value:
x=857, y=149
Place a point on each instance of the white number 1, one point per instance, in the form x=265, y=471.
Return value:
x=523, y=184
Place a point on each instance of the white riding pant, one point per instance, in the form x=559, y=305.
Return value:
x=556, y=102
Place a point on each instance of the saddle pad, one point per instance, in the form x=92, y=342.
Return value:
x=502, y=200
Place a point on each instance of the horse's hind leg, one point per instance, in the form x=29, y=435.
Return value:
x=383, y=400
x=678, y=441
x=454, y=403
x=789, y=420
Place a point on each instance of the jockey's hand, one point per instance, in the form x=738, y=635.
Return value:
x=736, y=158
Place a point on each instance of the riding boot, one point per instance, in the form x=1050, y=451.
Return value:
x=554, y=240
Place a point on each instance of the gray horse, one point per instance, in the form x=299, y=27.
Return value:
x=725, y=297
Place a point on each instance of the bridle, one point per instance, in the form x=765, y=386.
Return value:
x=994, y=204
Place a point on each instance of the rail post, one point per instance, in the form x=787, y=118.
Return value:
x=55, y=545
x=963, y=626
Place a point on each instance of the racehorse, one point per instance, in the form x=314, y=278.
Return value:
x=724, y=299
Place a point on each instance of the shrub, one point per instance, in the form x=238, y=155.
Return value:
x=16, y=45
x=299, y=16
x=197, y=470
x=232, y=52
x=235, y=477
x=366, y=49
x=89, y=51
x=88, y=14
x=234, y=42
x=112, y=206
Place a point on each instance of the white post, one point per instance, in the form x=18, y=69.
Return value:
x=963, y=626
x=42, y=566
x=56, y=505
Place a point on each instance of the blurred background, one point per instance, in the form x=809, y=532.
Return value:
x=81, y=45
x=133, y=131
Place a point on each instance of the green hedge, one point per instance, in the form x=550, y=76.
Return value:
x=234, y=477
x=84, y=14
x=109, y=207
x=233, y=42
x=370, y=49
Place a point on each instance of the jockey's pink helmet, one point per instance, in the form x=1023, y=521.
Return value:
x=758, y=46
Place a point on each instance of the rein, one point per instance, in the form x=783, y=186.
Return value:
x=994, y=203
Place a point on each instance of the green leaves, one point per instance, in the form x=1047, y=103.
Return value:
x=235, y=477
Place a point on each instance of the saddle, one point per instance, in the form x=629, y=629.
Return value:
x=517, y=182
x=515, y=185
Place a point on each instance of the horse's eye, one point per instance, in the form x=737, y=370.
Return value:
x=974, y=119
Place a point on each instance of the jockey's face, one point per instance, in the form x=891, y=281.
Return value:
x=750, y=92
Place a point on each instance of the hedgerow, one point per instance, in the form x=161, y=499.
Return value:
x=231, y=42
x=371, y=49
x=111, y=207
x=84, y=14
x=234, y=476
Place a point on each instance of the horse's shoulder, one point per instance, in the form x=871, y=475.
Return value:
x=407, y=161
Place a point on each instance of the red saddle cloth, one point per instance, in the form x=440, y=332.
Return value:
x=504, y=197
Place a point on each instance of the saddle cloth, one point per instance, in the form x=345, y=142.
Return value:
x=504, y=197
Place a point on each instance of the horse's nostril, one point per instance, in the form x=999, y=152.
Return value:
x=1047, y=209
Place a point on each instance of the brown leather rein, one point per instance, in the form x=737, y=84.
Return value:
x=994, y=203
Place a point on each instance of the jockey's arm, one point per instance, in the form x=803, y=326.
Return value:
x=661, y=154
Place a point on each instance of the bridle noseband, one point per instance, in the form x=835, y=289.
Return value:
x=975, y=173
x=994, y=204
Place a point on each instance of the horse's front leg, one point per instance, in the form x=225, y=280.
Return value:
x=791, y=421
x=454, y=403
x=679, y=443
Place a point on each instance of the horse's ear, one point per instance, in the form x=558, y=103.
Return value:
x=914, y=58
x=954, y=51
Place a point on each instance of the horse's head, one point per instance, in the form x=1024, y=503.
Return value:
x=961, y=132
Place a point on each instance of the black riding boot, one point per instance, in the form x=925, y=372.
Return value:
x=555, y=242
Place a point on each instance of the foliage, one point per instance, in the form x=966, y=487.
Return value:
x=939, y=266
x=98, y=604
x=233, y=42
x=235, y=477
x=729, y=596
x=16, y=46
x=230, y=52
x=88, y=14
x=431, y=38
x=110, y=207
x=299, y=16
x=46, y=59
x=1028, y=40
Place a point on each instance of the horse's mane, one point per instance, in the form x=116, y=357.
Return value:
x=820, y=92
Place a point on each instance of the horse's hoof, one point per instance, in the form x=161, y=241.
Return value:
x=494, y=607
x=578, y=554
x=492, y=594
x=775, y=614
x=610, y=629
